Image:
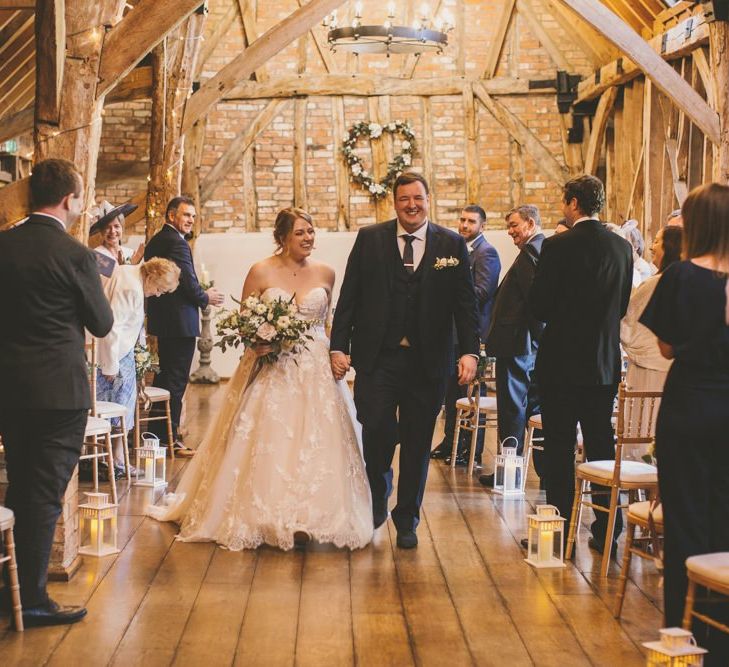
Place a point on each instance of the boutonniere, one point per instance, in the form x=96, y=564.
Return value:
x=445, y=262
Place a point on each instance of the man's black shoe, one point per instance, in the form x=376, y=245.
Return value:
x=51, y=614
x=594, y=544
x=487, y=480
x=379, y=517
x=524, y=543
x=461, y=460
x=441, y=451
x=407, y=539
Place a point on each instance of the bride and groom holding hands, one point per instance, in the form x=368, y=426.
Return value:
x=286, y=459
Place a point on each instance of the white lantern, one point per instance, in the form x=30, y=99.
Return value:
x=509, y=470
x=546, y=533
x=151, y=462
x=676, y=648
x=97, y=525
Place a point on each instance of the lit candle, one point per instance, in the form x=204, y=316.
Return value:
x=509, y=473
x=149, y=470
x=546, y=542
x=391, y=10
x=204, y=275
x=95, y=534
x=358, y=9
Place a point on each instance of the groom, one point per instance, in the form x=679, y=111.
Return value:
x=407, y=281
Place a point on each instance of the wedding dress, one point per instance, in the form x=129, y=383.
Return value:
x=283, y=455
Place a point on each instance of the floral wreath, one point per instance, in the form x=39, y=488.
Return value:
x=394, y=169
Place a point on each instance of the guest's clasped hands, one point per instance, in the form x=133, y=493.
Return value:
x=215, y=297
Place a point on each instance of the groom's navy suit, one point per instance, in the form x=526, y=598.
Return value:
x=380, y=307
x=49, y=292
x=175, y=319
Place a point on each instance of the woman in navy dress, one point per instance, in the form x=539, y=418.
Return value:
x=687, y=314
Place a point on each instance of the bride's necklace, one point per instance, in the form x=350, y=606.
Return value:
x=295, y=269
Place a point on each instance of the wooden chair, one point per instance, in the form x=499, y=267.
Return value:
x=7, y=521
x=145, y=399
x=109, y=410
x=710, y=571
x=96, y=428
x=534, y=423
x=469, y=410
x=637, y=412
x=646, y=515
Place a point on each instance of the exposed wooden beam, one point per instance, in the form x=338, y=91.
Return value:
x=341, y=169
x=17, y=4
x=269, y=44
x=219, y=31
x=371, y=86
x=322, y=47
x=523, y=135
x=497, y=44
x=412, y=60
x=137, y=85
x=720, y=70
x=50, y=47
x=136, y=35
x=597, y=135
x=111, y=172
x=301, y=198
x=250, y=28
x=702, y=67
x=235, y=149
x=15, y=61
x=652, y=65
x=15, y=30
x=526, y=10
x=14, y=202
x=678, y=42
x=17, y=124
x=471, y=132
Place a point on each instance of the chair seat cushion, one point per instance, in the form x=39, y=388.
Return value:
x=633, y=472
x=97, y=426
x=711, y=566
x=109, y=409
x=7, y=519
x=535, y=421
x=640, y=511
x=486, y=404
x=156, y=393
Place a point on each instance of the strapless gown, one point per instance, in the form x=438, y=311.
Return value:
x=283, y=455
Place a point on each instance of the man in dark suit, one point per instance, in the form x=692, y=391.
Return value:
x=49, y=292
x=581, y=291
x=485, y=269
x=406, y=282
x=514, y=334
x=175, y=317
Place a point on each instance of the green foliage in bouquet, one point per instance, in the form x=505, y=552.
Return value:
x=144, y=361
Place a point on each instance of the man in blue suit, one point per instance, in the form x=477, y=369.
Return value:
x=514, y=334
x=485, y=269
x=175, y=318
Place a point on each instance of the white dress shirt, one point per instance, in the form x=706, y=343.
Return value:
x=126, y=296
x=418, y=242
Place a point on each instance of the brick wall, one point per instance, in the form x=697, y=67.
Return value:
x=126, y=126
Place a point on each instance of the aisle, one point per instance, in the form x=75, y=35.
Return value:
x=464, y=597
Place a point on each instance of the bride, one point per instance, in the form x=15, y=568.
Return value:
x=282, y=462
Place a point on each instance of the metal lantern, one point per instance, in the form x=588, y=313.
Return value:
x=97, y=525
x=546, y=538
x=676, y=648
x=509, y=470
x=151, y=462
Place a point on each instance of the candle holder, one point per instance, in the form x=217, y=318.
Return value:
x=509, y=471
x=204, y=374
x=546, y=538
x=151, y=461
x=98, y=526
x=676, y=648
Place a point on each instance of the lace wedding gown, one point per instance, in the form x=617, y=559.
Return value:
x=283, y=455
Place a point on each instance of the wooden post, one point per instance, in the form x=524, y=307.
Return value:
x=473, y=173
x=191, y=160
x=300, y=195
x=719, y=48
x=383, y=206
x=341, y=171
x=249, y=188
x=426, y=150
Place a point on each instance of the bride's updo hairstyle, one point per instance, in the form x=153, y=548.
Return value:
x=284, y=224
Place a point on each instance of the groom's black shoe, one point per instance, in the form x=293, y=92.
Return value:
x=407, y=539
x=379, y=517
x=51, y=614
x=442, y=451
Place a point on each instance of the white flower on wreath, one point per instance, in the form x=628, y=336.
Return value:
x=356, y=169
x=406, y=159
x=392, y=127
x=445, y=262
x=375, y=130
x=405, y=145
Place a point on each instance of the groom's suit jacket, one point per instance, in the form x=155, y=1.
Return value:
x=49, y=291
x=365, y=300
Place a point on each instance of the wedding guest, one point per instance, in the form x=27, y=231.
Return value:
x=111, y=227
x=49, y=293
x=175, y=318
x=116, y=379
x=562, y=226
x=642, y=269
x=405, y=283
x=674, y=219
x=485, y=269
x=687, y=314
x=647, y=367
x=581, y=290
x=514, y=335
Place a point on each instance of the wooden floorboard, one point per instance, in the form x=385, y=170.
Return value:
x=465, y=596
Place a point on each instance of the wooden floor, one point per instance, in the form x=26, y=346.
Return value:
x=463, y=597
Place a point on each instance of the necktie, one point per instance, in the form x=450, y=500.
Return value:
x=407, y=253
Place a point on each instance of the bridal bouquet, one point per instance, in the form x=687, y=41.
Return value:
x=144, y=361
x=276, y=323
